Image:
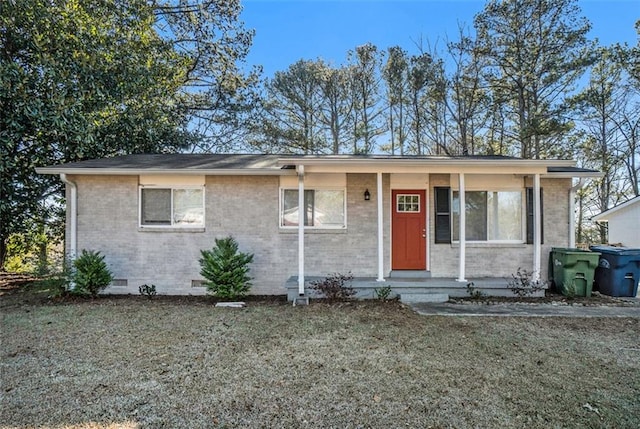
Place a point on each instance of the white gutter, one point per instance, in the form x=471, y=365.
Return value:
x=572, y=175
x=386, y=161
x=379, y=197
x=72, y=208
x=537, y=228
x=572, y=210
x=301, y=215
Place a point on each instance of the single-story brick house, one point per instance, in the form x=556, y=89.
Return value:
x=386, y=219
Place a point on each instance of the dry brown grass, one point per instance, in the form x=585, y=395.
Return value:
x=133, y=363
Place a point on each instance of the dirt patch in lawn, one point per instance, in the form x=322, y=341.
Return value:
x=138, y=363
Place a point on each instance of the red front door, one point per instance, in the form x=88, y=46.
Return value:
x=408, y=226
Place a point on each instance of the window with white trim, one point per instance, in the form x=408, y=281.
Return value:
x=490, y=216
x=172, y=207
x=324, y=208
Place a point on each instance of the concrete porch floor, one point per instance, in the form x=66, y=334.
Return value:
x=423, y=289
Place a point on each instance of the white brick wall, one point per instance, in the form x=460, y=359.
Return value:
x=247, y=208
x=483, y=261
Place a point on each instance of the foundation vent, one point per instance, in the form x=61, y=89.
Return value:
x=197, y=283
x=119, y=283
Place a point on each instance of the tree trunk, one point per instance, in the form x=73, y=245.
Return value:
x=579, y=234
x=3, y=251
x=522, y=121
x=391, y=129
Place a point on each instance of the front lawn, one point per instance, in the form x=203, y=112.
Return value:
x=132, y=362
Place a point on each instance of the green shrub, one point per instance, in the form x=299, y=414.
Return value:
x=148, y=290
x=383, y=293
x=91, y=273
x=226, y=269
x=473, y=292
x=569, y=289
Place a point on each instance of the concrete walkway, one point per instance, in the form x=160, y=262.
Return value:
x=523, y=310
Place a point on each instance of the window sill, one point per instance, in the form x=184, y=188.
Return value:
x=492, y=245
x=314, y=231
x=169, y=229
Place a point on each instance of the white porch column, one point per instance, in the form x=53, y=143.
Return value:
x=301, y=217
x=462, y=229
x=537, y=229
x=379, y=198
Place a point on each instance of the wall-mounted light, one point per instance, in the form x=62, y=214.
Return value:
x=367, y=195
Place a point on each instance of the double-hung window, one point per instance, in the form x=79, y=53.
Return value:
x=172, y=207
x=324, y=208
x=490, y=216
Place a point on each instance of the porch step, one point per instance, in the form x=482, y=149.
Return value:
x=410, y=274
x=423, y=297
x=425, y=289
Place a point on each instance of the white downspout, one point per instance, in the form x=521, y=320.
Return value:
x=462, y=229
x=537, y=229
x=380, y=229
x=301, y=215
x=72, y=207
x=572, y=209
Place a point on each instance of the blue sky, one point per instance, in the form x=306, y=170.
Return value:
x=288, y=30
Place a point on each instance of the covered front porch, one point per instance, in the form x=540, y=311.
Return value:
x=415, y=289
x=411, y=206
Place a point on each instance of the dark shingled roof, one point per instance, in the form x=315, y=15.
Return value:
x=277, y=163
x=175, y=161
x=233, y=161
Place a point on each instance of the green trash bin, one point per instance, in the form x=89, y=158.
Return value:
x=573, y=270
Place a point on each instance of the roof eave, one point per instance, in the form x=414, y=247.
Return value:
x=177, y=171
x=573, y=175
x=426, y=161
x=605, y=214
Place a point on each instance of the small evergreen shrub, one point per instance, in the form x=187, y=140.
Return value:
x=383, y=293
x=333, y=287
x=522, y=284
x=473, y=292
x=147, y=290
x=226, y=269
x=91, y=274
x=569, y=289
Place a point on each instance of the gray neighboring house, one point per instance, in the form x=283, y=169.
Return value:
x=389, y=220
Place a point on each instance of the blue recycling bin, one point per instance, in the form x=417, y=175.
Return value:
x=618, y=270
